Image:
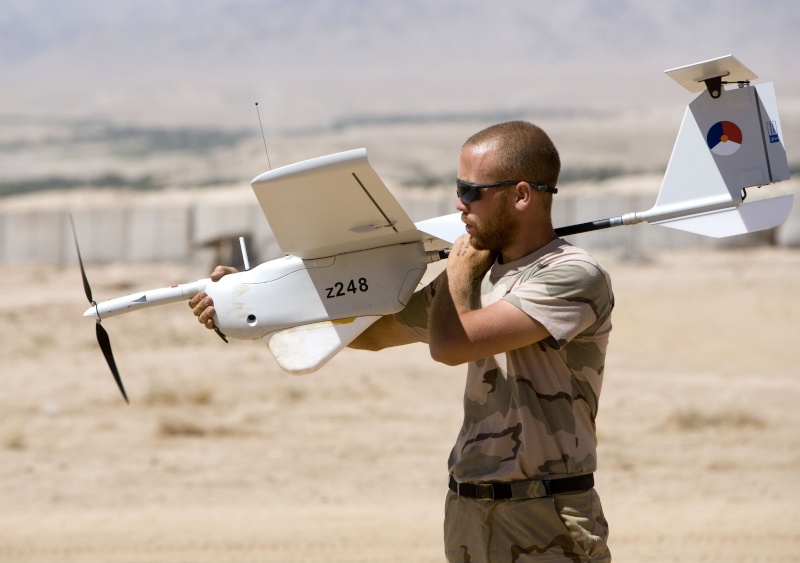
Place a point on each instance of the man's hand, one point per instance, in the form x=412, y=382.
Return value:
x=465, y=266
x=460, y=330
x=202, y=305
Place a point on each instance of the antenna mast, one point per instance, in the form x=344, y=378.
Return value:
x=262, y=136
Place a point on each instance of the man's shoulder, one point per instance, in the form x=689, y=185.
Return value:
x=566, y=290
x=560, y=254
x=561, y=251
x=566, y=271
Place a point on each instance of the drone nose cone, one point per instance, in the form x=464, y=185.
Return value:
x=91, y=313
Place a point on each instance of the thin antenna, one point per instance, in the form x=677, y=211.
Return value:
x=262, y=136
x=244, y=254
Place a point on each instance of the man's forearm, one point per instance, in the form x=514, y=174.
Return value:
x=447, y=335
x=384, y=333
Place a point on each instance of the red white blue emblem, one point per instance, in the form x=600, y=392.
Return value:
x=724, y=138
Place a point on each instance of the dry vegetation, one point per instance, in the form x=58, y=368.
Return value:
x=222, y=457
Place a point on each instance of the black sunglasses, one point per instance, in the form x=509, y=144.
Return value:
x=468, y=193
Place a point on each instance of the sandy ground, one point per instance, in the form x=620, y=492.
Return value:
x=222, y=457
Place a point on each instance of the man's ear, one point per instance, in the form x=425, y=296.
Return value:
x=523, y=194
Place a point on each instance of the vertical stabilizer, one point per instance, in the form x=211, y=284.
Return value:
x=725, y=145
x=729, y=140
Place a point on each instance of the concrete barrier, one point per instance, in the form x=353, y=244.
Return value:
x=190, y=227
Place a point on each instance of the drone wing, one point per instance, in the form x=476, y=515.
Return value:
x=334, y=204
x=329, y=206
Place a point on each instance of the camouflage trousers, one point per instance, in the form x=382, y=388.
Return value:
x=560, y=528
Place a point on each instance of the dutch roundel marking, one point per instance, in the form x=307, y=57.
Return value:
x=724, y=138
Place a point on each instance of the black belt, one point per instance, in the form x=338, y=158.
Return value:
x=535, y=488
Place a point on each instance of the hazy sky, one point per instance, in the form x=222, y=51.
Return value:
x=206, y=61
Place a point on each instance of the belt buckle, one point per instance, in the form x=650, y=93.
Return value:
x=481, y=489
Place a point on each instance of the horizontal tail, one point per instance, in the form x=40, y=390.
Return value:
x=745, y=218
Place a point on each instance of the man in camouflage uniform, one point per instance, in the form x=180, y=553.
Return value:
x=530, y=314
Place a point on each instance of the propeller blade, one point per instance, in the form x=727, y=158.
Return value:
x=105, y=346
x=86, y=288
x=102, y=335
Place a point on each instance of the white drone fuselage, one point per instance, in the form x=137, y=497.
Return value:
x=289, y=291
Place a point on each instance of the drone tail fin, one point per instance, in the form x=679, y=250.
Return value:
x=727, y=143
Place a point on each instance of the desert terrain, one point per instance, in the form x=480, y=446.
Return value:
x=222, y=457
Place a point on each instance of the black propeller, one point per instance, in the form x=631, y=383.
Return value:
x=102, y=335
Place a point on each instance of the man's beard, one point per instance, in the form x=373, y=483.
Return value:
x=498, y=231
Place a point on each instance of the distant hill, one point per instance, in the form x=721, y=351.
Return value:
x=146, y=95
x=207, y=61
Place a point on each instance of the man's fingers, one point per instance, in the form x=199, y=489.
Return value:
x=205, y=316
x=221, y=271
x=194, y=301
x=200, y=305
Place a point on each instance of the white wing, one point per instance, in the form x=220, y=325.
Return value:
x=332, y=205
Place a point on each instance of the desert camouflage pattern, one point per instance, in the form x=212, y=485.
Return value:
x=530, y=413
x=561, y=528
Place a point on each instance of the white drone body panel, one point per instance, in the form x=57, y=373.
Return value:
x=290, y=291
x=309, y=310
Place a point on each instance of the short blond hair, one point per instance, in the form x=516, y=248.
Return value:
x=523, y=152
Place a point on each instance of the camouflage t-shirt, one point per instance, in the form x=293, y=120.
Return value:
x=530, y=412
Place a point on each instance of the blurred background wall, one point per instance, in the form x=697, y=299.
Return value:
x=140, y=118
